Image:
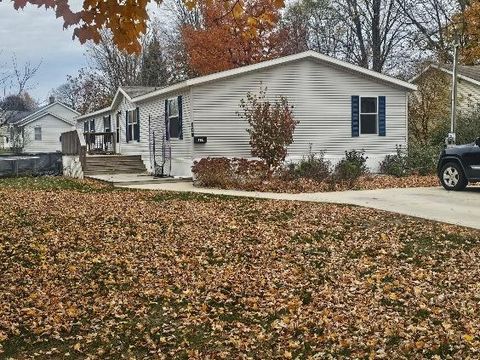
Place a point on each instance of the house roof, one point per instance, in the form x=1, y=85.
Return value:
x=469, y=73
x=255, y=67
x=135, y=91
x=33, y=118
x=21, y=118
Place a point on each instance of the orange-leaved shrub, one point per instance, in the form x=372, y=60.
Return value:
x=271, y=126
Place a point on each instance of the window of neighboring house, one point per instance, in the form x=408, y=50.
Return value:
x=107, y=126
x=38, y=133
x=92, y=125
x=368, y=115
x=133, y=132
x=85, y=127
x=175, y=125
x=117, y=126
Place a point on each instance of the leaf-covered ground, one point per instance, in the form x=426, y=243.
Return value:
x=88, y=271
x=367, y=182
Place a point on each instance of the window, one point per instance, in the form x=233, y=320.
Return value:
x=368, y=115
x=107, y=126
x=92, y=125
x=174, y=120
x=117, y=125
x=85, y=127
x=38, y=133
x=133, y=127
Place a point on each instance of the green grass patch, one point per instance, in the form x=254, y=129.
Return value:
x=50, y=183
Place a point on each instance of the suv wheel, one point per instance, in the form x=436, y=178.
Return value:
x=452, y=177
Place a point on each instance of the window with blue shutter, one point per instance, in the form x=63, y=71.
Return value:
x=355, y=116
x=368, y=115
x=382, y=123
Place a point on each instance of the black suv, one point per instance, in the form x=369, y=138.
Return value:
x=459, y=165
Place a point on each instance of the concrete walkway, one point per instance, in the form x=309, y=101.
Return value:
x=459, y=208
x=134, y=179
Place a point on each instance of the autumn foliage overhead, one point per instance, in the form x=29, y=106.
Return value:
x=470, y=54
x=127, y=19
x=223, y=42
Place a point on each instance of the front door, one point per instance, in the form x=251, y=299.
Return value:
x=472, y=161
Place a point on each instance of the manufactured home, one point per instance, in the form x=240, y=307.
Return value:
x=339, y=107
x=468, y=83
x=39, y=131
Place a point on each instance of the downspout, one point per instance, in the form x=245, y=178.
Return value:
x=451, y=139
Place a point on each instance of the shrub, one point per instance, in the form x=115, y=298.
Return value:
x=396, y=165
x=212, y=172
x=271, y=127
x=351, y=167
x=467, y=129
x=422, y=160
x=226, y=173
x=312, y=166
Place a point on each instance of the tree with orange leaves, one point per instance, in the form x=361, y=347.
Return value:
x=224, y=42
x=470, y=21
x=126, y=19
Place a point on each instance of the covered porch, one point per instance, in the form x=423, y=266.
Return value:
x=101, y=143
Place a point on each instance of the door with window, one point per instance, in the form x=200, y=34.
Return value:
x=472, y=160
x=173, y=118
x=117, y=130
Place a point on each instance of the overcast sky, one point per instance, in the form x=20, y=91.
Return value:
x=35, y=35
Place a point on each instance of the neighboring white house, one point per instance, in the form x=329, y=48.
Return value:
x=468, y=82
x=340, y=107
x=41, y=129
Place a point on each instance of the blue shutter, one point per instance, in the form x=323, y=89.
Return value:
x=382, y=125
x=180, y=118
x=355, y=116
x=137, y=125
x=127, y=128
x=167, y=130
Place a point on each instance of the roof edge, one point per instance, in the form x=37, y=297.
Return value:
x=436, y=66
x=274, y=62
x=24, y=123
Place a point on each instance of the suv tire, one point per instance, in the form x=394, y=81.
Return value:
x=452, y=177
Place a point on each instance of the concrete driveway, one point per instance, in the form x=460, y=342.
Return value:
x=459, y=208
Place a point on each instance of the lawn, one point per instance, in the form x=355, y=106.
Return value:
x=87, y=271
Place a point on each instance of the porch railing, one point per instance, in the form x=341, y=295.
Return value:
x=100, y=142
x=74, y=144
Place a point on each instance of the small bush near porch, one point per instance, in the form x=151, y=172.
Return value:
x=194, y=276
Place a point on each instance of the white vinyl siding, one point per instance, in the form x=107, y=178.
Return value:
x=468, y=96
x=321, y=96
x=49, y=129
x=154, y=108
